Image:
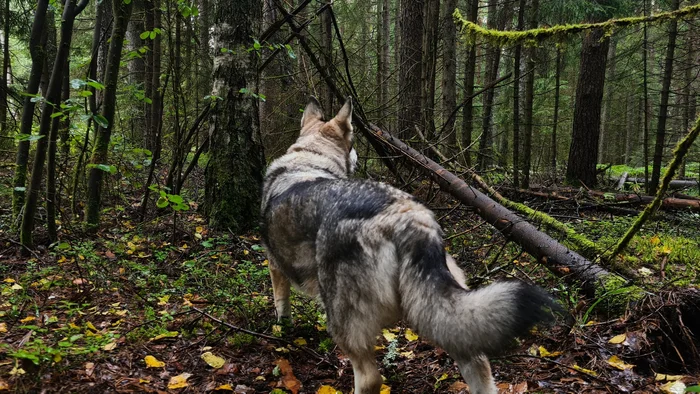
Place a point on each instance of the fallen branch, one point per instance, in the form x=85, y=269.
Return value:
x=674, y=184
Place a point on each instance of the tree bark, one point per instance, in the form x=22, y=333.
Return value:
x=516, y=96
x=37, y=45
x=234, y=176
x=5, y=139
x=528, y=115
x=410, y=67
x=449, y=76
x=609, y=100
x=581, y=167
x=121, y=12
x=431, y=15
x=555, y=121
x=469, y=73
x=51, y=195
x=53, y=95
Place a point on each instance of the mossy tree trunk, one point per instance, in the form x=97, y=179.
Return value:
x=528, y=113
x=234, y=175
x=122, y=12
x=37, y=44
x=50, y=104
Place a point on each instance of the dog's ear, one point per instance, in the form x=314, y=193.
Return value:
x=344, y=116
x=312, y=112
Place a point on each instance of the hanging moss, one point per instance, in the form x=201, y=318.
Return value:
x=471, y=31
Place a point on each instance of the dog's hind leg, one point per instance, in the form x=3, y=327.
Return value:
x=280, y=290
x=477, y=373
x=368, y=380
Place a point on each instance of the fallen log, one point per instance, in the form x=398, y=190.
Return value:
x=675, y=184
x=666, y=203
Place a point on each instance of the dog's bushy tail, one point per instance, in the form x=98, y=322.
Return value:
x=466, y=323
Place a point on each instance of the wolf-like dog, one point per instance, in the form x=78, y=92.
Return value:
x=372, y=255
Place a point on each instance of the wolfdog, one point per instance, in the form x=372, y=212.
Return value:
x=372, y=255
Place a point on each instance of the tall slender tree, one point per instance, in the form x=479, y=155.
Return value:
x=234, y=175
x=410, y=67
x=449, y=75
x=469, y=75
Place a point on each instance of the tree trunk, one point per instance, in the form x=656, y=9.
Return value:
x=37, y=45
x=137, y=69
x=327, y=56
x=516, y=96
x=121, y=12
x=234, y=175
x=609, y=100
x=496, y=20
x=410, y=64
x=469, y=73
x=53, y=95
x=449, y=76
x=528, y=116
x=690, y=101
x=663, y=104
x=431, y=15
x=645, y=87
x=386, y=69
x=51, y=195
x=5, y=138
x=581, y=167
x=555, y=121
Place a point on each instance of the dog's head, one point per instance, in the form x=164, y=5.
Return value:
x=335, y=135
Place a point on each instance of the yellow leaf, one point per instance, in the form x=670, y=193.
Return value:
x=16, y=371
x=676, y=387
x=226, y=387
x=109, y=346
x=199, y=229
x=666, y=250
x=9, y=280
x=4, y=386
x=385, y=389
x=282, y=350
x=213, y=360
x=546, y=353
x=152, y=362
x=300, y=342
x=409, y=355
x=73, y=326
x=388, y=336
x=442, y=377
x=179, y=381
x=655, y=240
x=584, y=370
x=410, y=335
x=662, y=376
x=245, y=252
x=619, y=364
x=276, y=329
x=57, y=358
x=61, y=260
x=16, y=287
x=169, y=334
x=28, y=319
x=91, y=326
x=617, y=339
x=327, y=390
x=265, y=264
x=144, y=381
x=164, y=299
x=3, y=327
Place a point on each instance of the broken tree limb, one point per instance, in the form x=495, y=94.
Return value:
x=583, y=244
x=674, y=184
x=666, y=203
x=678, y=155
x=549, y=252
x=621, y=182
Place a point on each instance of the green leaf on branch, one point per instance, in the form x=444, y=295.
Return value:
x=101, y=120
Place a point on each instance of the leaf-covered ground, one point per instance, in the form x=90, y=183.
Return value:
x=148, y=307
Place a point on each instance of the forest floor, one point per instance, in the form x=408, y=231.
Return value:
x=156, y=307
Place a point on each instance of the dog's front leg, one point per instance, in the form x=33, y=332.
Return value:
x=477, y=373
x=280, y=290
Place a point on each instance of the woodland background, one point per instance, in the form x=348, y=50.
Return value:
x=134, y=136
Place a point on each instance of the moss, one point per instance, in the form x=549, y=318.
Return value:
x=616, y=294
x=471, y=31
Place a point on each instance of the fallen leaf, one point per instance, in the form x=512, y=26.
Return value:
x=16, y=286
x=442, y=377
x=226, y=387
x=109, y=346
x=619, y=364
x=662, y=376
x=327, y=390
x=584, y=370
x=456, y=387
x=214, y=361
x=676, y=387
x=80, y=281
x=385, y=389
x=388, y=335
x=3, y=327
x=16, y=371
x=409, y=355
x=169, y=334
x=546, y=353
x=3, y=385
x=179, y=381
x=300, y=342
x=152, y=362
x=617, y=339
x=110, y=255
x=89, y=368
x=164, y=299
x=655, y=240
x=410, y=335
x=28, y=319
x=9, y=280
x=289, y=381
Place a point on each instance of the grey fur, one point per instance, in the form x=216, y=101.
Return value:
x=373, y=255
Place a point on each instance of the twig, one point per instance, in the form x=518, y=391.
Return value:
x=594, y=377
x=265, y=336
